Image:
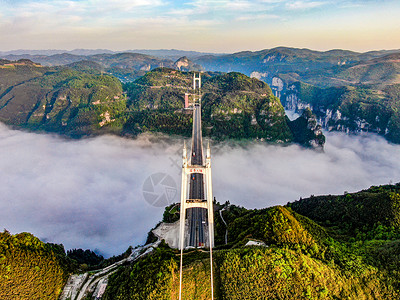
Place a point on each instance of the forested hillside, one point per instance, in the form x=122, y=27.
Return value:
x=30, y=269
x=326, y=247
x=61, y=100
x=360, y=108
x=81, y=100
x=233, y=106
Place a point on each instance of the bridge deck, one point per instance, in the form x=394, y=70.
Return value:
x=197, y=216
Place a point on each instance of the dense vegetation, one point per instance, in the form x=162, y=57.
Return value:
x=322, y=247
x=362, y=108
x=323, y=69
x=30, y=269
x=326, y=247
x=85, y=257
x=233, y=106
x=148, y=278
x=366, y=215
x=81, y=100
x=61, y=100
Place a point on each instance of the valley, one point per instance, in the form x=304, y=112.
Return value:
x=200, y=149
x=126, y=114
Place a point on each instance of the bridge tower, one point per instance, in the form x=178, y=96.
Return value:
x=196, y=191
x=196, y=88
x=196, y=81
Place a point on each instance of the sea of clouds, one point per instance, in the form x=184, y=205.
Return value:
x=88, y=193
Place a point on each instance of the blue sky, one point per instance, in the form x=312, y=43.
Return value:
x=203, y=25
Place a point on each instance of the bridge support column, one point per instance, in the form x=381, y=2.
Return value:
x=183, y=199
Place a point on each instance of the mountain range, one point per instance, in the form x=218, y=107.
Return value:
x=320, y=68
x=173, y=54
x=332, y=77
x=80, y=100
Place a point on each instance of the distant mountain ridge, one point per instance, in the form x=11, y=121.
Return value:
x=126, y=66
x=320, y=68
x=306, y=64
x=124, y=60
x=172, y=54
x=288, y=59
x=284, y=69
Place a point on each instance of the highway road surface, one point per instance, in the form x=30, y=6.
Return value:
x=197, y=217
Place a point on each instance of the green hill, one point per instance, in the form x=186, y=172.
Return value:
x=30, y=269
x=326, y=247
x=369, y=214
x=61, y=100
x=233, y=106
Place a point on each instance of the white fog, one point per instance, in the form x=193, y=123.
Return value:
x=88, y=193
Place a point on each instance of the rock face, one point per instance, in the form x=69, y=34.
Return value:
x=293, y=101
x=259, y=75
x=277, y=86
x=276, y=83
x=168, y=232
x=358, y=109
x=307, y=131
x=275, y=56
x=330, y=119
x=185, y=64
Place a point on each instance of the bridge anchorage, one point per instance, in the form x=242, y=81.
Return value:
x=196, y=211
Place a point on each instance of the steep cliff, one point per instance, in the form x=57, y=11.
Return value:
x=353, y=109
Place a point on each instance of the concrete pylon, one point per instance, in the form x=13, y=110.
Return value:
x=210, y=204
x=196, y=81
